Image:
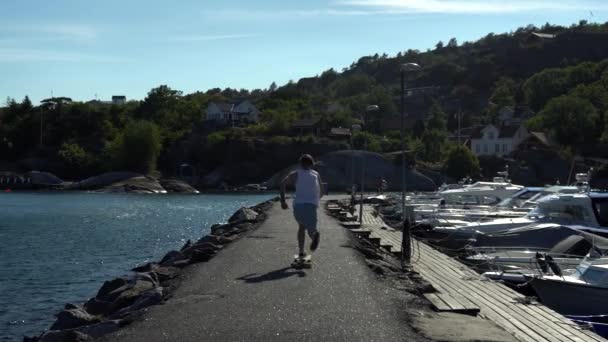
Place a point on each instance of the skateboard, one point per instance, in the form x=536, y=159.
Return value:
x=299, y=262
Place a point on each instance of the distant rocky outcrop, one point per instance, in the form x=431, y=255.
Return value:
x=336, y=168
x=174, y=185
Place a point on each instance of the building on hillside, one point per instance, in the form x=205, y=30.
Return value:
x=498, y=141
x=538, y=141
x=339, y=133
x=464, y=136
x=234, y=113
x=309, y=126
x=119, y=99
x=334, y=107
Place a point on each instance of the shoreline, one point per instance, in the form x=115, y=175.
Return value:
x=120, y=301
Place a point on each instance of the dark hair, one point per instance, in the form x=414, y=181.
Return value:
x=306, y=159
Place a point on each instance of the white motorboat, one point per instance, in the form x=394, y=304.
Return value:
x=582, y=292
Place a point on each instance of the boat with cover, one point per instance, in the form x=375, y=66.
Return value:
x=588, y=211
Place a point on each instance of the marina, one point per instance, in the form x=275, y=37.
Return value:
x=460, y=289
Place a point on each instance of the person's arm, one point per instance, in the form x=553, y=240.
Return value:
x=290, y=178
x=321, y=190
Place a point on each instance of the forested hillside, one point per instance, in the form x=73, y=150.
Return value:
x=560, y=75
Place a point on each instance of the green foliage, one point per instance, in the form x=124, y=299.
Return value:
x=367, y=141
x=570, y=119
x=504, y=92
x=432, y=143
x=280, y=140
x=137, y=148
x=461, y=162
x=75, y=158
x=216, y=138
x=278, y=122
x=437, y=119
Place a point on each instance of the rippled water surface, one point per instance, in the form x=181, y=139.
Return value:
x=57, y=248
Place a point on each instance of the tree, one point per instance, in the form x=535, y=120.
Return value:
x=432, y=143
x=504, y=92
x=461, y=162
x=437, y=119
x=137, y=148
x=76, y=159
x=571, y=120
x=439, y=45
x=272, y=87
x=453, y=43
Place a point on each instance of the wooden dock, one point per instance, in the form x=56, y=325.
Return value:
x=460, y=289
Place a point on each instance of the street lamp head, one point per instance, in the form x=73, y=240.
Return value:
x=372, y=108
x=410, y=67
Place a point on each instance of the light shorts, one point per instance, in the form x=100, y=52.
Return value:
x=306, y=215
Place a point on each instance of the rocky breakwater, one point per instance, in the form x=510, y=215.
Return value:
x=122, y=300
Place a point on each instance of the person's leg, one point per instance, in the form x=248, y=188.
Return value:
x=301, y=238
x=313, y=232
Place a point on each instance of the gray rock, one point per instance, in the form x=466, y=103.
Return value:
x=130, y=294
x=186, y=245
x=95, y=306
x=202, y=251
x=243, y=215
x=162, y=273
x=216, y=239
x=100, y=329
x=146, y=299
x=64, y=336
x=174, y=185
x=172, y=257
x=108, y=287
x=73, y=317
x=221, y=229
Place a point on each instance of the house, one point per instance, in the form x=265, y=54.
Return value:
x=464, y=136
x=339, y=133
x=240, y=112
x=538, y=141
x=498, y=141
x=119, y=99
x=310, y=126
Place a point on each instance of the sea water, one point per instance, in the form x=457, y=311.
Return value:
x=58, y=248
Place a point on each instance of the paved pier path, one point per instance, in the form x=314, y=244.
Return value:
x=248, y=292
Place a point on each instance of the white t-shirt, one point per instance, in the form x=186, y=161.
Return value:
x=307, y=187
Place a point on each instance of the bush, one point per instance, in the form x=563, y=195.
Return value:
x=216, y=138
x=461, y=162
x=280, y=140
x=136, y=148
x=367, y=141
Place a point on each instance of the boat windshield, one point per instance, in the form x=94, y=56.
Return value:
x=517, y=199
x=566, y=213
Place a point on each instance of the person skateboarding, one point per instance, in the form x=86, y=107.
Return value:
x=308, y=186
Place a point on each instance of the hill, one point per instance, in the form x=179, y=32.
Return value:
x=553, y=71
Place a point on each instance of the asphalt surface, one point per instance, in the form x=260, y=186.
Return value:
x=248, y=292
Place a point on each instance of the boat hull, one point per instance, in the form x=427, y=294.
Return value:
x=570, y=298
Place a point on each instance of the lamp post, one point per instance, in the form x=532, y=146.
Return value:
x=406, y=238
x=369, y=108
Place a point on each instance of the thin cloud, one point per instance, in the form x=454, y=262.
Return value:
x=468, y=7
x=8, y=55
x=49, y=32
x=206, y=38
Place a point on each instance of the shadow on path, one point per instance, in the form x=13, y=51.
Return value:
x=282, y=273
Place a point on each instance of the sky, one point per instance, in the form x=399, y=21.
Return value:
x=96, y=49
